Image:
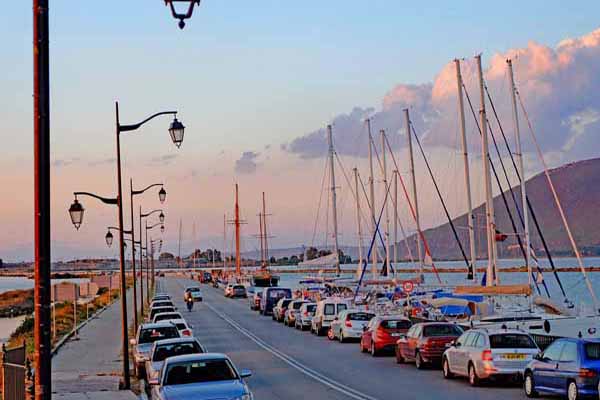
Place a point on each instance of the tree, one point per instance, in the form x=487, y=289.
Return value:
x=311, y=253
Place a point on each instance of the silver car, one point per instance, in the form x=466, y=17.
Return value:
x=349, y=324
x=163, y=349
x=200, y=376
x=147, y=334
x=480, y=354
x=304, y=316
x=289, y=317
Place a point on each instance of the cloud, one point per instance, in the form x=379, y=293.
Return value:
x=560, y=87
x=102, y=162
x=247, y=163
x=64, y=162
x=163, y=160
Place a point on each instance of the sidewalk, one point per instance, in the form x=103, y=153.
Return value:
x=91, y=367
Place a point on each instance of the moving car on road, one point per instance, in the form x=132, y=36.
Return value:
x=279, y=309
x=194, y=292
x=163, y=349
x=304, y=316
x=326, y=312
x=147, y=334
x=271, y=296
x=206, y=277
x=200, y=376
x=238, y=291
x=568, y=367
x=481, y=354
x=382, y=332
x=349, y=324
x=255, y=300
x=289, y=317
x=425, y=343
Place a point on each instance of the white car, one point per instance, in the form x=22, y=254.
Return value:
x=195, y=292
x=167, y=316
x=185, y=329
x=349, y=324
x=325, y=313
x=163, y=349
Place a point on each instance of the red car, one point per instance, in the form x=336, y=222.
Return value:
x=382, y=333
x=425, y=343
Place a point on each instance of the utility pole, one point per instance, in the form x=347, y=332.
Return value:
x=414, y=187
x=372, y=199
x=333, y=201
x=41, y=143
x=463, y=131
x=492, y=275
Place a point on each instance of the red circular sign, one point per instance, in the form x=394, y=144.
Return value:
x=408, y=286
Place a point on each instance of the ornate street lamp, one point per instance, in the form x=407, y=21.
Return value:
x=181, y=16
x=161, y=217
x=76, y=212
x=177, y=130
x=162, y=229
x=108, y=238
x=162, y=195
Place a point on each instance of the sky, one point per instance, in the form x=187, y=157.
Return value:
x=255, y=83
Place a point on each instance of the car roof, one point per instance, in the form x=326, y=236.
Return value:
x=436, y=323
x=154, y=325
x=192, y=287
x=196, y=357
x=185, y=339
x=500, y=331
x=335, y=300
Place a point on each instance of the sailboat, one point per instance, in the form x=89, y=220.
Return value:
x=263, y=277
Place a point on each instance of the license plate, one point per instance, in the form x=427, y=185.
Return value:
x=513, y=356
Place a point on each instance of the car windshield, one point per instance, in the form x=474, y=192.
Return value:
x=166, y=316
x=441, y=330
x=592, y=351
x=395, y=324
x=511, y=341
x=153, y=334
x=199, y=372
x=194, y=289
x=175, y=349
x=360, y=316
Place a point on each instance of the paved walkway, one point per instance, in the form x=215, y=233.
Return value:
x=91, y=367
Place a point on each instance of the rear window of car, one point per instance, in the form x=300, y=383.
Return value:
x=311, y=308
x=297, y=305
x=441, y=330
x=360, y=316
x=181, y=326
x=286, y=302
x=592, y=351
x=153, y=334
x=274, y=294
x=341, y=307
x=239, y=287
x=395, y=324
x=166, y=316
x=511, y=341
x=329, y=309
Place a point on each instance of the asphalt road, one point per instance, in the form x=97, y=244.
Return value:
x=289, y=364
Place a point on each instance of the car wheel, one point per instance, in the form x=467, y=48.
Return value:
x=419, y=363
x=446, y=369
x=373, y=350
x=473, y=378
x=529, y=385
x=572, y=391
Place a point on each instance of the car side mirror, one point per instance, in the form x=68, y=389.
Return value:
x=246, y=373
x=132, y=342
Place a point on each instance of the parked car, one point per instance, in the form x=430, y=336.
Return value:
x=228, y=290
x=167, y=316
x=238, y=291
x=426, y=342
x=289, y=317
x=480, y=354
x=147, y=334
x=255, y=300
x=159, y=310
x=271, y=296
x=200, y=376
x=193, y=291
x=163, y=349
x=206, y=277
x=161, y=296
x=279, y=309
x=304, y=316
x=349, y=324
x=382, y=332
x=162, y=303
x=325, y=313
x=183, y=327
x=569, y=367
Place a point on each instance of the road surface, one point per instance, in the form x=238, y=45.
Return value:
x=289, y=364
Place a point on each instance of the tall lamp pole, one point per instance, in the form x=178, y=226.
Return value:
x=109, y=239
x=161, y=218
x=162, y=229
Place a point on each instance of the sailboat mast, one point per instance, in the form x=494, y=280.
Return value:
x=260, y=236
x=224, y=242
x=414, y=187
x=395, y=175
x=333, y=200
x=463, y=131
x=358, y=227
x=387, y=213
x=264, y=213
x=519, y=156
x=238, y=261
x=372, y=199
x=492, y=275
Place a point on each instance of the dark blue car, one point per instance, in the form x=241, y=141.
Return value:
x=568, y=367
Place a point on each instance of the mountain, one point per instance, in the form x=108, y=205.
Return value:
x=578, y=188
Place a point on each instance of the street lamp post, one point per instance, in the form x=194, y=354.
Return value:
x=109, y=239
x=162, y=194
x=161, y=218
x=162, y=229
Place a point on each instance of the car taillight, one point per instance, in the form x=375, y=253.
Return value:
x=486, y=355
x=305, y=313
x=586, y=373
x=349, y=323
x=186, y=332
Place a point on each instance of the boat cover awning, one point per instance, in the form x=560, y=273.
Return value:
x=501, y=290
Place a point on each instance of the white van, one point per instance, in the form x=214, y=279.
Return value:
x=325, y=313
